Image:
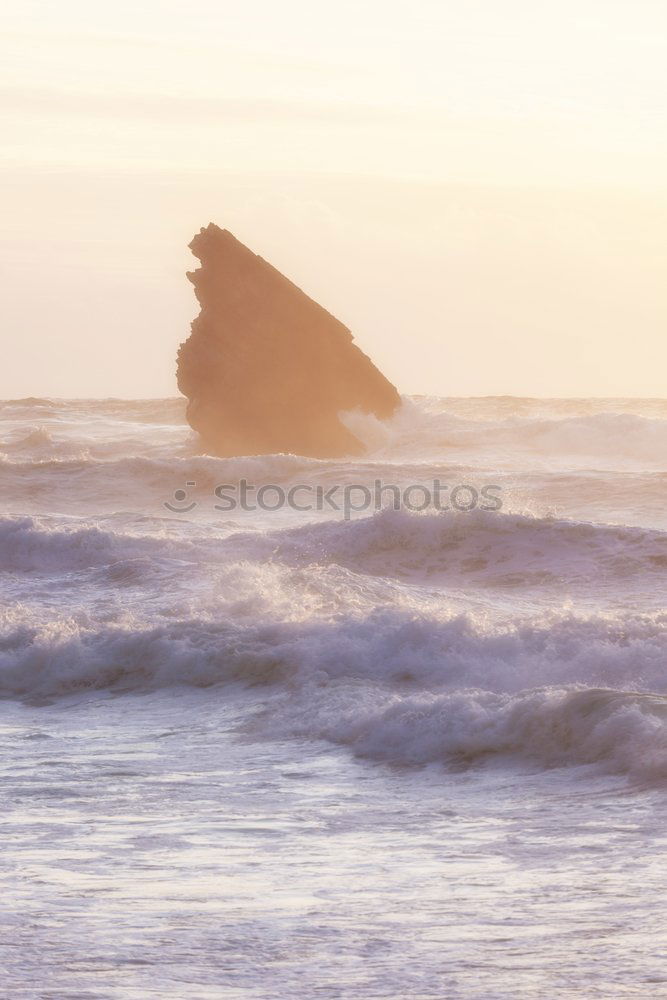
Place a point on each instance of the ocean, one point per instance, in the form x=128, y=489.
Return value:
x=301, y=750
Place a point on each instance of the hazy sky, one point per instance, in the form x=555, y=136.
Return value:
x=476, y=187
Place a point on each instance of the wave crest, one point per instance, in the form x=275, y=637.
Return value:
x=490, y=548
x=392, y=687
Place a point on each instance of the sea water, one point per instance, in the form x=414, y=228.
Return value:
x=265, y=753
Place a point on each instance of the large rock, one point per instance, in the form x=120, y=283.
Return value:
x=266, y=369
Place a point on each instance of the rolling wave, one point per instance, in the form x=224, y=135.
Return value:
x=488, y=548
x=618, y=731
x=391, y=686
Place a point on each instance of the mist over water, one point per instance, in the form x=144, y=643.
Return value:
x=424, y=752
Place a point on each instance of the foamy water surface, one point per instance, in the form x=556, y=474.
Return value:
x=255, y=754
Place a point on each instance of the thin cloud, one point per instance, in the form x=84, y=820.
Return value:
x=166, y=107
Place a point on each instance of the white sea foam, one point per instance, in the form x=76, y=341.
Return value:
x=563, y=690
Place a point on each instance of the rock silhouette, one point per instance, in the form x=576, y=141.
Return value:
x=266, y=369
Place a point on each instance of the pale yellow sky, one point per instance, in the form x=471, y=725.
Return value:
x=477, y=189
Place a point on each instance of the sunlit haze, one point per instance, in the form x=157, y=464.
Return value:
x=476, y=189
x=333, y=670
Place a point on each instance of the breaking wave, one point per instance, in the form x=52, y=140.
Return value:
x=619, y=731
x=489, y=548
x=392, y=686
x=607, y=439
